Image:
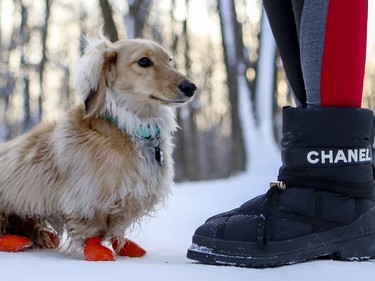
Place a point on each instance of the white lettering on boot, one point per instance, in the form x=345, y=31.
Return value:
x=310, y=157
x=340, y=156
x=352, y=155
x=327, y=156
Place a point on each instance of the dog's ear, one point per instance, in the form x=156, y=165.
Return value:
x=96, y=97
x=95, y=72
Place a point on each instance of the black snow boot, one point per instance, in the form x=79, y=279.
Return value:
x=323, y=204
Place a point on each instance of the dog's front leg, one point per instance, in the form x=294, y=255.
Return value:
x=117, y=227
x=91, y=232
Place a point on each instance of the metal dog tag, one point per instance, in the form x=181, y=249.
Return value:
x=159, y=155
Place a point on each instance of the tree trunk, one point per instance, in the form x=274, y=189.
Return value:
x=264, y=78
x=26, y=81
x=137, y=17
x=44, y=32
x=109, y=24
x=232, y=45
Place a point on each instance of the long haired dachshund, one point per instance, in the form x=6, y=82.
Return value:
x=105, y=164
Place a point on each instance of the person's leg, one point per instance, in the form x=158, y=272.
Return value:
x=284, y=21
x=313, y=28
x=333, y=51
x=332, y=64
x=323, y=203
x=344, y=53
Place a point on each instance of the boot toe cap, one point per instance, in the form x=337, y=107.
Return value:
x=236, y=228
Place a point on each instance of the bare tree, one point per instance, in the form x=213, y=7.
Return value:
x=109, y=24
x=186, y=149
x=265, y=78
x=44, y=33
x=24, y=37
x=234, y=61
x=136, y=19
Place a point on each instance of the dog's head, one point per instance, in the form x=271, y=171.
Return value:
x=132, y=75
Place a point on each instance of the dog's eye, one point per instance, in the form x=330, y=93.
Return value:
x=145, y=62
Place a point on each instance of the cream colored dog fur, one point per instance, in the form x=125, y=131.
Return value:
x=91, y=173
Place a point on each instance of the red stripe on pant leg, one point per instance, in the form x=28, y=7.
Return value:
x=344, y=53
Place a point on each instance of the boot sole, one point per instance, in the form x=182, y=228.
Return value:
x=355, y=242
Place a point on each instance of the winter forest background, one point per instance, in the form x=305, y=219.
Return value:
x=225, y=46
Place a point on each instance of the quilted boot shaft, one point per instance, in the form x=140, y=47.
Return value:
x=327, y=147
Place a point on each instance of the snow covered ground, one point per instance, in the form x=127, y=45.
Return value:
x=167, y=237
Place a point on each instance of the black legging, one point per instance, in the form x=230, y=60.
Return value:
x=322, y=44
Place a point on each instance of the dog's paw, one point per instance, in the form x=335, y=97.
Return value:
x=130, y=249
x=94, y=251
x=14, y=243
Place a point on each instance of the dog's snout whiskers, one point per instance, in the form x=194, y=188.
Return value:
x=187, y=88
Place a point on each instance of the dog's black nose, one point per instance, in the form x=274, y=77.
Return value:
x=187, y=88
